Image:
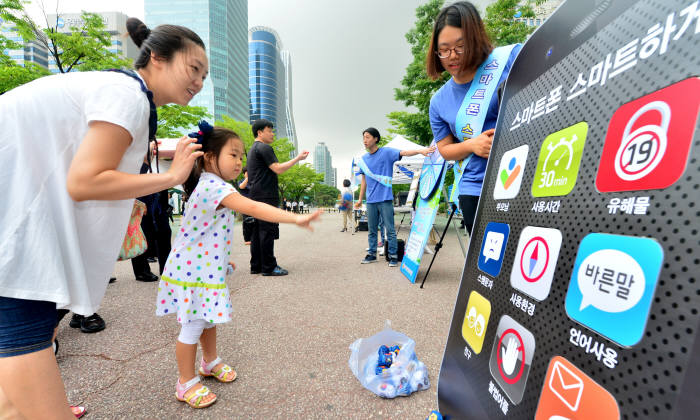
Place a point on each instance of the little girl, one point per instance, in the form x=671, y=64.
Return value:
x=193, y=282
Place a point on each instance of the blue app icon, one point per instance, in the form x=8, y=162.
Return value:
x=612, y=285
x=493, y=246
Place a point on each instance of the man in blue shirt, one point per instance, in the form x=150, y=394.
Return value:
x=377, y=167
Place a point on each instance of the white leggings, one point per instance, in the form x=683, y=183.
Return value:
x=191, y=331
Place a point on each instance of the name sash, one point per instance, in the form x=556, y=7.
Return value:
x=475, y=106
x=382, y=179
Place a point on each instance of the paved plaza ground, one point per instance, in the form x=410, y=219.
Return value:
x=288, y=340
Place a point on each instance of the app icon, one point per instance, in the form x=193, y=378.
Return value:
x=560, y=158
x=612, y=285
x=569, y=393
x=476, y=319
x=493, y=246
x=511, y=357
x=510, y=173
x=535, y=261
x=648, y=139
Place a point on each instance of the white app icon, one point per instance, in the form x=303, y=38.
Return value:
x=535, y=260
x=510, y=173
x=566, y=385
x=493, y=245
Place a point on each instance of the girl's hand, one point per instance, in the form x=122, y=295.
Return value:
x=186, y=152
x=305, y=221
x=231, y=267
x=427, y=150
x=482, y=143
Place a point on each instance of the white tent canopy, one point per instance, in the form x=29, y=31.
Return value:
x=408, y=166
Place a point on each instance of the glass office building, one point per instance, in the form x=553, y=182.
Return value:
x=29, y=51
x=270, y=81
x=223, y=26
x=323, y=164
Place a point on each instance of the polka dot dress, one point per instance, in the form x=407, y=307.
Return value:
x=193, y=284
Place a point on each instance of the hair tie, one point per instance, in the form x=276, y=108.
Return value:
x=204, y=130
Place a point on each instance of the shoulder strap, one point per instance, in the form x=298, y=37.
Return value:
x=152, y=115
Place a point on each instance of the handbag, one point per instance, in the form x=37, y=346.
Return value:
x=135, y=241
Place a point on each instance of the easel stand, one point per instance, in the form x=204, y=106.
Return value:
x=439, y=244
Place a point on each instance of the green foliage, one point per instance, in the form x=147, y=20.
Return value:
x=13, y=75
x=176, y=120
x=84, y=48
x=292, y=183
x=324, y=195
x=298, y=180
x=417, y=88
x=501, y=27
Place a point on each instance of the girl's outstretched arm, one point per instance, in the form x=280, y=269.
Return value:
x=93, y=172
x=267, y=212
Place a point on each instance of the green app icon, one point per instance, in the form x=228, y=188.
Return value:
x=560, y=158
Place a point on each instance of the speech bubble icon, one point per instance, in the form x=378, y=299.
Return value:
x=604, y=295
x=493, y=245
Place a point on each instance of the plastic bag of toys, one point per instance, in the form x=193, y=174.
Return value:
x=386, y=364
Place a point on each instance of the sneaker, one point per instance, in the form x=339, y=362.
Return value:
x=344, y=229
x=278, y=271
x=381, y=251
x=369, y=259
x=393, y=262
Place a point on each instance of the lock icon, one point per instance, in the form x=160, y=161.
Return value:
x=643, y=149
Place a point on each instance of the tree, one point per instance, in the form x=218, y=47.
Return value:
x=417, y=88
x=298, y=180
x=324, y=195
x=176, y=120
x=11, y=74
x=500, y=24
x=84, y=48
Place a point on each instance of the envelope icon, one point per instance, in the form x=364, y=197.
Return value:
x=566, y=385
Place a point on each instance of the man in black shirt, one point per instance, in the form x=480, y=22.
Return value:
x=263, y=169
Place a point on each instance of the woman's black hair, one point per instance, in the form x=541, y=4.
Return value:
x=346, y=183
x=373, y=132
x=212, y=143
x=477, y=45
x=163, y=41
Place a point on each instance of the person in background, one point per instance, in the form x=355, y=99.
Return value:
x=345, y=206
x=377, y=167
x=263, y=169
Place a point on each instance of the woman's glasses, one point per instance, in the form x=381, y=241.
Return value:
x=445, y=52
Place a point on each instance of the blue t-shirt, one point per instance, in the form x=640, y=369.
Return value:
x=380, y=162
x=444, y=106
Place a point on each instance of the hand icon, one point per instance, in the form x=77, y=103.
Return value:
x=510, y=355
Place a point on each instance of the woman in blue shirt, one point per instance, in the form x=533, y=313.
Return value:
x=460, y=46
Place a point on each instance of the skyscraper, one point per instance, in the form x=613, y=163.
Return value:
x=115, y=25
x=270, y=81
x=323, y=163
x=222, y=25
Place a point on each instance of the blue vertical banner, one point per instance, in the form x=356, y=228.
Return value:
x=426, y=210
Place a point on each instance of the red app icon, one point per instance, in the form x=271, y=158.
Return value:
x=648, y=139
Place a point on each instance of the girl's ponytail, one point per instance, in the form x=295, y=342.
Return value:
x=212, y=140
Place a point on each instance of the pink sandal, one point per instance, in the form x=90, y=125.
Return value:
x=220, y=375
x=194, y=400
x=78, y=411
